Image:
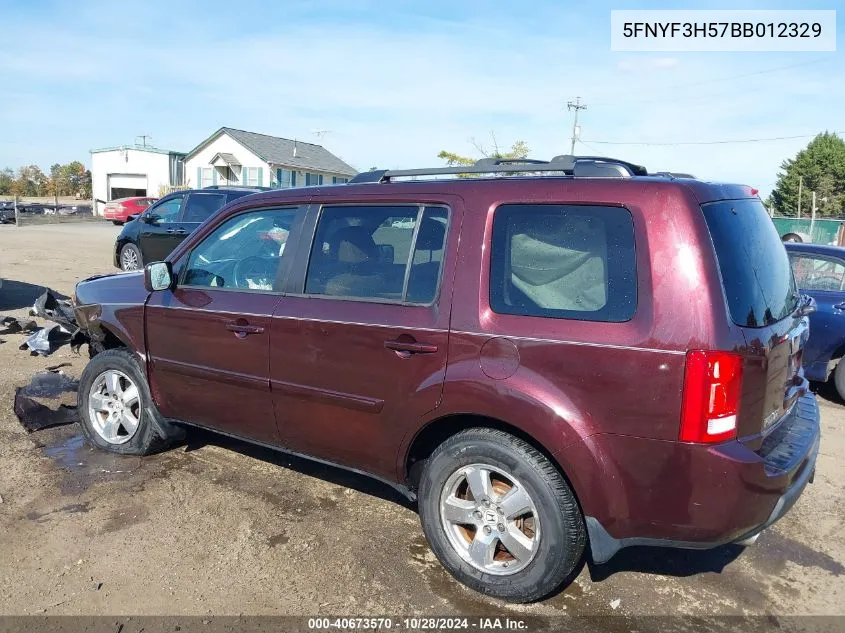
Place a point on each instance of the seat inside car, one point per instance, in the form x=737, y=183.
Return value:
x=353, y=264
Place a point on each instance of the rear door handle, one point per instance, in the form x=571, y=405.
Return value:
x=404, y=349
x=242, y=328
x=176, y=231
x=839, y=306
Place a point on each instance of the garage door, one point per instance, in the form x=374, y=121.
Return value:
x=127, y=185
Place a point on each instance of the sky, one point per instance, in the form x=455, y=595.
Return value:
x=391, y=84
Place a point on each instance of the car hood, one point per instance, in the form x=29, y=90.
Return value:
x=118, y=287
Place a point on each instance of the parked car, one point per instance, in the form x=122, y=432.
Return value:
x=157, y=230
x=546, y=363
x=7, y=212
x=820, y=272
x=118, y=211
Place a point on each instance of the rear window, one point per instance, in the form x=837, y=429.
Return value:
x=563, y=261
x=755, y=269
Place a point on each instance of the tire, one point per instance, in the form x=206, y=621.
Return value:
x=558, y=542
x=130, y=257
x=152, y=433
x=117, y=222
x=839, y=379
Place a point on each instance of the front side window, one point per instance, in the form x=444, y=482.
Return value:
x=378, y=253
x=167, y=211
x=816, y=272
x=563, y=261
x=200, y=206
x=243, y=253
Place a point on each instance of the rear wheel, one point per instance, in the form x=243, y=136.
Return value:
x=499, y=516
x=839, y=379
x=130, y=257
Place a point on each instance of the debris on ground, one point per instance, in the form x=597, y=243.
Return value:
x=13, y=325
x=1, y=498
x=44, y=341
x=34, y=415
x=614, y=604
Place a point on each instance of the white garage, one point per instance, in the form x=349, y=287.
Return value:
x=133, y=170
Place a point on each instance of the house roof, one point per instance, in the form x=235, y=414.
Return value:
x=227, y=158
x=280, y=151
x=137, y=148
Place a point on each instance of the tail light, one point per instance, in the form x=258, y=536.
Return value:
x=711, y=396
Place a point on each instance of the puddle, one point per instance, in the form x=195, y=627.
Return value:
x=777, y=549
x=84, y=464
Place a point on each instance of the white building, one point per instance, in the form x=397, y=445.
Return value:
x=236, y=157
x=133, y=170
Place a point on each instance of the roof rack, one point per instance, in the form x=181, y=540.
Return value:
x=583, y=166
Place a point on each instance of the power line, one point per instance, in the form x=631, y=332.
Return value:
x=721, y=142
x=710, y=81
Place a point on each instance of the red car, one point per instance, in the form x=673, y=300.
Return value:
x=549, y=365
x=118, y=211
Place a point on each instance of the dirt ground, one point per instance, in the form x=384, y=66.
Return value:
x=218, y=527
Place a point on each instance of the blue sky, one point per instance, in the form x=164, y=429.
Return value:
x=396, y=82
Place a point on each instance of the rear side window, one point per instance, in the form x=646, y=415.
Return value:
x=564, y=261
x=758, y=281
x=387, y=253
x=200, y=206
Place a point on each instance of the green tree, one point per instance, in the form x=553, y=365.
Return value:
x=821, y=167
x=518, y=150
x=30, y=181
x=7, y=177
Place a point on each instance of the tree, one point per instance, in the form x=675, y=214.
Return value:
x=7, y=177
x=518, y=150
x=30, y=181
x=821, y=167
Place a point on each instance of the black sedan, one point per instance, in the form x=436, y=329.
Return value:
x=152, y=235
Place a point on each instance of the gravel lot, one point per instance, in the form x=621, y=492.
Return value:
x=218, y=527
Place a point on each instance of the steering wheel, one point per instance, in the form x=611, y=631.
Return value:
x=251, y=269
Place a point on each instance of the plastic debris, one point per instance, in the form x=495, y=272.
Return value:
x=614, y=604
x=47, y=340
x=49, y=384
x=35, y=416
x=13, y=325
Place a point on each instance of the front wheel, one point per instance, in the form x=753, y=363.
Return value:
x=130, y=257
x=499, y=516
x=116, y=409
x=117, y=222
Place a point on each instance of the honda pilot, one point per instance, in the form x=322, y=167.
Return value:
x=555, y=359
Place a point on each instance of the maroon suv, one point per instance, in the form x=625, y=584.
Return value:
x=593, y=357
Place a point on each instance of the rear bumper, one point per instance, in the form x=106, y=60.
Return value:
x=680, y=495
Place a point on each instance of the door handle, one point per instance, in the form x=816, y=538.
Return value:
x=839, y=306
x=241, y=328
x=176, y=231
x=404, y=349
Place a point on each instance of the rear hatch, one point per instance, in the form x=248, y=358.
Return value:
x=764, y=304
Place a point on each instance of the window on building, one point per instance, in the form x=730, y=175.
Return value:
x=337, y=180
x=312, y=180
x=207, y=178
x=285, y=178
x=252, y=176
x=563, y=261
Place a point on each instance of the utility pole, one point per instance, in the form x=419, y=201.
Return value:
x=576, y=105
x=813, y=216
x=800, y=186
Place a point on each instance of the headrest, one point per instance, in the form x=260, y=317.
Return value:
x=355, y=245
x=431, y=235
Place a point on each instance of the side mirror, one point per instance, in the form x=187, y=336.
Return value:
x=150, y=218
x=158, y=276
x=806, y=305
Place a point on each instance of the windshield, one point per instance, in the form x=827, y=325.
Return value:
x=755, y=269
